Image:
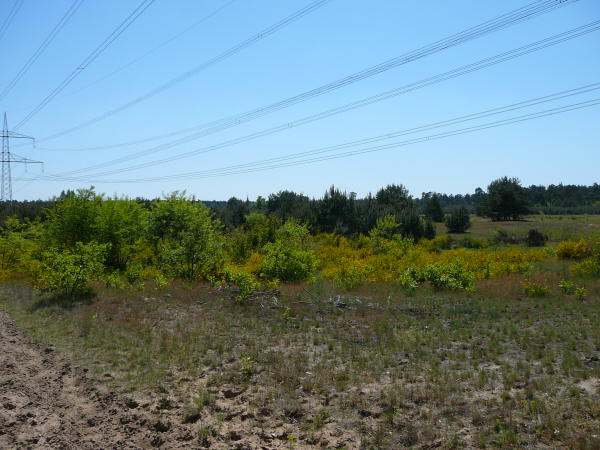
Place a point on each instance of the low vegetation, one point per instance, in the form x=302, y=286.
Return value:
x=278, y=332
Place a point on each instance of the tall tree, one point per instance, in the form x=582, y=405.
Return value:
x=506, y=199
x=433, y=208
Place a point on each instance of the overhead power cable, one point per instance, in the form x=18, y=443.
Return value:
x=55, y=31
x=463, y=70
x=11, y=16
x=470, y=117
x=275, y=163
x=203, y=66
x=137, y=12
x=155, y=48
x=526, y=12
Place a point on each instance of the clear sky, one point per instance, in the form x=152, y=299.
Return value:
x=335, y=40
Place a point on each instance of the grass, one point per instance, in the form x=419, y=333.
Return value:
x=557, y=228
x=370, y=368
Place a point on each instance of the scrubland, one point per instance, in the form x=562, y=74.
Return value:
x=470, y=340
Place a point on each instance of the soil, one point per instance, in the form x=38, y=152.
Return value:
x=47, y=402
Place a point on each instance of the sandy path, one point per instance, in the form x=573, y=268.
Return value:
x=45, y=402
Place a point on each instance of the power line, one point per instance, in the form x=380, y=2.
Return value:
x=232, y=170
x=11, y=16
x=205, y=65
x=57, y=29
x=155, y=48
x=481, y=64
x=526, y=12
x=461, y=119
x=89, y=59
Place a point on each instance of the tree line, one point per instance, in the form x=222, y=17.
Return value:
x=343, y=213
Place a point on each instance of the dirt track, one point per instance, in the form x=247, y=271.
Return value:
x=45, y=402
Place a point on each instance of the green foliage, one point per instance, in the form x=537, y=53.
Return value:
x=393, y=199
x=288, y=258
x=533, y=289
x=336, y=212
x=411, y=224
x=433, y=208
x=385, y=228
x=581, y=293
x=190, y=242
x=506, y=199
x=243, y=282
x=120, y=223
x=73, y=219
x=451, y=276
x=458, y=221
x=17, y=244
x=567, y=286
x=69, y=272
x=429, y=230
x=410, y=279
x=257, y=231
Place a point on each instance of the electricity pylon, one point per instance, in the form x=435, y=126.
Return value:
x=8, y=158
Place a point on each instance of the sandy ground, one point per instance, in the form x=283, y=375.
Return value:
x=46, y=402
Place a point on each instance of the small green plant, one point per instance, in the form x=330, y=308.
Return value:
x=568, y=287
x=205, y=432
x=287, y=313
x=248, y=367
x=291, y=439
x=533, y=289
x=114, y=280
x=239, y=281
x=321, y=417
x=581, y=293
x=203, y=399
x=160, y=281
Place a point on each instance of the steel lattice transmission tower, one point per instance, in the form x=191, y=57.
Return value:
x=8, y=158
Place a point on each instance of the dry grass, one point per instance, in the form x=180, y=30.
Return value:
x=367, y=369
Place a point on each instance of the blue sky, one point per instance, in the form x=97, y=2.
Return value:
x=338, y=39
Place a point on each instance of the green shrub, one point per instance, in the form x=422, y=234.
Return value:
x=410, y=279
x=504, y=237
x=242, y=282
x=535, y=238
x=69, y=272
x=191, y=243
x=451, y=276
x=285, y=263
x=288, y=258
